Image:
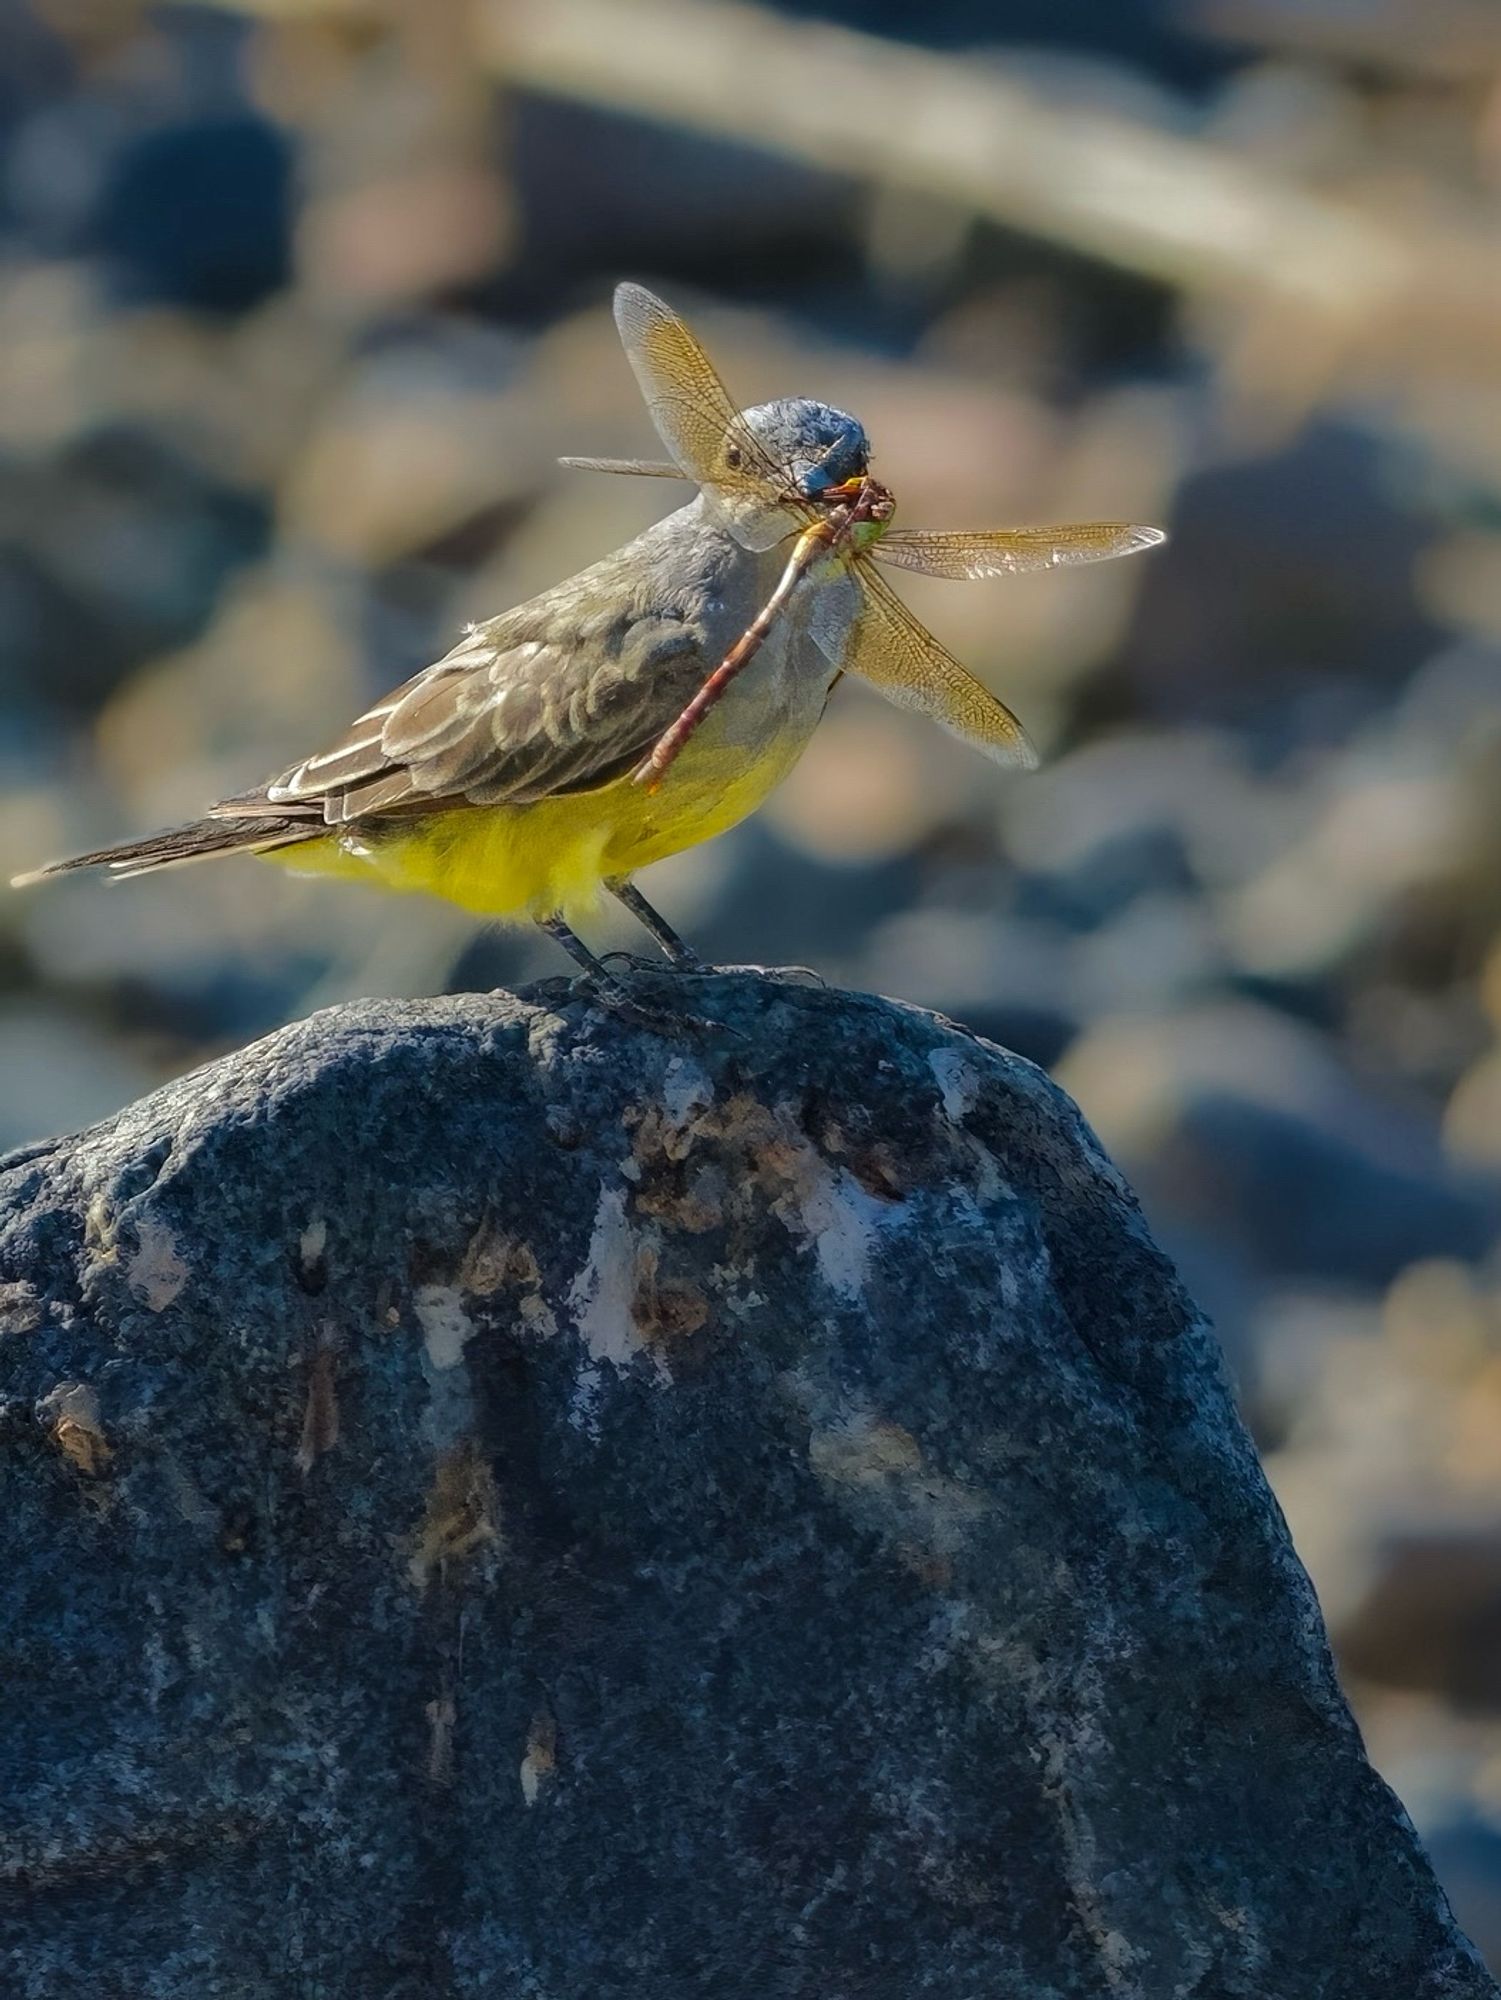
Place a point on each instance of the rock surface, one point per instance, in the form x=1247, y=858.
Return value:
x=501, y=1502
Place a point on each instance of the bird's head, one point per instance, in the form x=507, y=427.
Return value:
x=812, y=446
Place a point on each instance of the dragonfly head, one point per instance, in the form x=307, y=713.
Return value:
x=817, y=447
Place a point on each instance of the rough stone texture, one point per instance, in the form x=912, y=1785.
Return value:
x=499, y=1502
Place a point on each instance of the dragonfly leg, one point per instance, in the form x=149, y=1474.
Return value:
x=682, y=955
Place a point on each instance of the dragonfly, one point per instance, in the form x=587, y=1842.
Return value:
x=829, y=520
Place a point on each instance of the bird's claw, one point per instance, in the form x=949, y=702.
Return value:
x=664, y=1020
x=794, y=975
x=686, y=961
x=633, y=961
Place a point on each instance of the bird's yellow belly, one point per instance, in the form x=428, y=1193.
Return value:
x=554, y=856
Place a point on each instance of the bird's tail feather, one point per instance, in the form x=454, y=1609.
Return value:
x=199, y=840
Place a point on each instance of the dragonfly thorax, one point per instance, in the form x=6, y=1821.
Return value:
x=859, y=512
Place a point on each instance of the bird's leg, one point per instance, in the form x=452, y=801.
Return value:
x=681, y=955
x=576, y=949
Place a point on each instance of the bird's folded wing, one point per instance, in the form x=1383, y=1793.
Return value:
x=524, y=708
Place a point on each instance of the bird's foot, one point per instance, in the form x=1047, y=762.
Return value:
x=630, y=961
x=634, y=962
x=665, y=1019
x=793, y=975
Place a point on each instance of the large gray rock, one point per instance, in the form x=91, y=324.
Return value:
x=499, y=1502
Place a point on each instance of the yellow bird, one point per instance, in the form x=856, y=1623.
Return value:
x=523, y=773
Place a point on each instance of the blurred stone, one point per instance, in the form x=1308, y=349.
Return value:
x=1472, y=1117
x=1288, y=1340
x=1247, y=1123
x=1005, y=978
x=1137, y=814
x=117, y=550
x=160, y=217
x=1432, y=1619
x=1161, y=953
x=1389, y=1475
x=406, y=194
x=57, y=1070
x=1174, y=48
x=1467, y=1852
x=734, y=213
x=1490, y=984
x=275, y=672
x=422, y=437
x=777, y=905
x=1440, y=1321
x=1380, y=834
x=1289, y=573
x=875, y=783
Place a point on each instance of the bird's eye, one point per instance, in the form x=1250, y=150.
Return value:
x=733, y=456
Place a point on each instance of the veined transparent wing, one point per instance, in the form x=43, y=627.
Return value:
x=638, y=468
x=1012, y=551
x=704, y=432
x=893, y=652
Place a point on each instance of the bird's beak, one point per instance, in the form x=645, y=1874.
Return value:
x=818, y=489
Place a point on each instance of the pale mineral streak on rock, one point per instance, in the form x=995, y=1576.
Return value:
x=843, y=1222
x=312, y=1243
x=156, y=1271
x=99, y=1226
x=686, y=1091
x=821, y=1202
x=600, y=1296
x=446, y=1331
x=446, y=1326
x=959, y=1082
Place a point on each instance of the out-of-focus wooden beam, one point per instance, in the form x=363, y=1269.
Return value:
x=1437, y=41
x=1339, y=296
x=1168, y=206
x=1165, y=205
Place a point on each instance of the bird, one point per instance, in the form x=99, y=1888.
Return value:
x=505, y=776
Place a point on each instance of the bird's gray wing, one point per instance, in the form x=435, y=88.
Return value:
x=556, y=696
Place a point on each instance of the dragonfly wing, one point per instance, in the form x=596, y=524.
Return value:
x=638, y=468
x=1013, y=551
x=889, y=648
x=705, y=434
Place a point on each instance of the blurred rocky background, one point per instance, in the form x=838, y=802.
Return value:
x=299, y=303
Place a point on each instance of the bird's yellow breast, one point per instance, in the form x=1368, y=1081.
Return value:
x=554, y=856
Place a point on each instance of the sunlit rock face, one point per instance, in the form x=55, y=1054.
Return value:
x=505, y=1499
